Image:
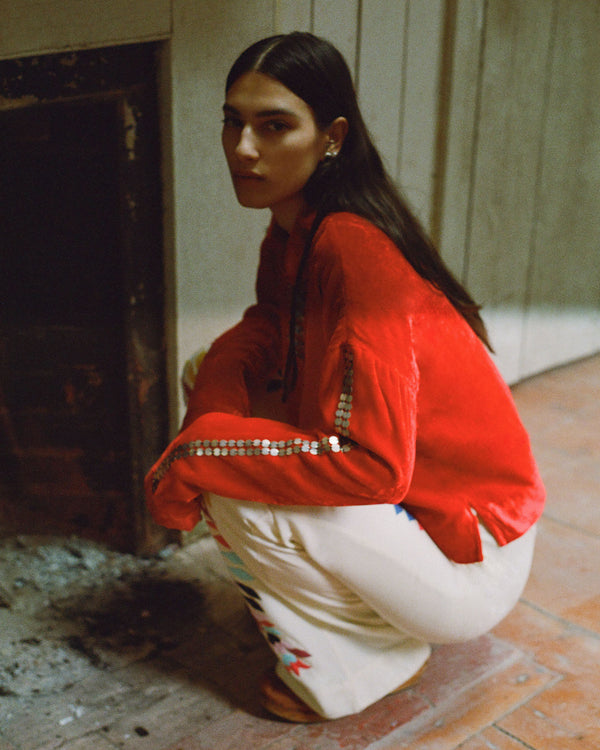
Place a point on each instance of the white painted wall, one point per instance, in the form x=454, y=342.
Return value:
x=503, y=163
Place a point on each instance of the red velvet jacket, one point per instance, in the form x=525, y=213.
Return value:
x=396, y=401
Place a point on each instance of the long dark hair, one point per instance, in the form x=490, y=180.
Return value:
x=356, y=180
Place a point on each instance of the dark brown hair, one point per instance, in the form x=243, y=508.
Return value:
x=356, y=180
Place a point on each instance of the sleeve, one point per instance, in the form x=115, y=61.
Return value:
x=360, y=448
x=245, y=352
x=363, y=451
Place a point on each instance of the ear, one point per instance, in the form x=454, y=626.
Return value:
x=336, y=133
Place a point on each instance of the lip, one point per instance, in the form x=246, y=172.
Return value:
x=239, y=175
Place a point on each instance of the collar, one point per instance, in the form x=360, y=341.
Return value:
x=291, y=246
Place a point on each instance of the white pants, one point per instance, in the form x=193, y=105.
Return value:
x=350, y=598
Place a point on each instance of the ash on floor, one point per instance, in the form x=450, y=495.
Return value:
x=70, y=608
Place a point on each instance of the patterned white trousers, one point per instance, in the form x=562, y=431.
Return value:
x=351, y=598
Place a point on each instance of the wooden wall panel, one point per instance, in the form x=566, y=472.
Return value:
x=381, y=74
x=563, y=317
x=460, y=130
x=337, y=20
x=517, y=38
x=292, y=15
x=416, y=166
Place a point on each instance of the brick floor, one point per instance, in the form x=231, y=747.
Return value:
x=532, y=683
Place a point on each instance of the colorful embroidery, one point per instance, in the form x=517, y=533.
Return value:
x=399, y=508
x=292, y=658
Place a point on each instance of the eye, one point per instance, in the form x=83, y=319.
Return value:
x=229, y=121
x=276, y=126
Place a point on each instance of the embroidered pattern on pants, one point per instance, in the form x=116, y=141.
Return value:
x=292, y=658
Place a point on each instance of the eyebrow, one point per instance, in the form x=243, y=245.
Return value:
x=263, y=112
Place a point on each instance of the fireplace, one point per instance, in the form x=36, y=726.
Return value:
x=82, y=387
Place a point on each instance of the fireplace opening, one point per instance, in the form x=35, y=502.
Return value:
x=82, y=391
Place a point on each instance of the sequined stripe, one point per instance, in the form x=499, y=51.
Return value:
x=344, y=408
x=276, y=448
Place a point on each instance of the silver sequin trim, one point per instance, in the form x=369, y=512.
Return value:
x=275, y=448
x=344, y=408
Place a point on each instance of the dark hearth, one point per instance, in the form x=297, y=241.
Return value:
x=82, y=405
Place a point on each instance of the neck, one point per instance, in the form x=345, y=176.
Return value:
x=286, y=213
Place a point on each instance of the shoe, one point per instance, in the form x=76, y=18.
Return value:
x=279, y=700
x=410, y=682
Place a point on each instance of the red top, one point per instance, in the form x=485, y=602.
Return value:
x=396, y=401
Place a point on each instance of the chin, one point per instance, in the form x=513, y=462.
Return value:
x=248, y=201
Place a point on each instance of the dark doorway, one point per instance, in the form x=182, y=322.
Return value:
x=82, y=387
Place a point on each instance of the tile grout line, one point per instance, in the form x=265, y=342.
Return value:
x=514, y=737
x=558, y=677
x=563, y=620
x=422, y=719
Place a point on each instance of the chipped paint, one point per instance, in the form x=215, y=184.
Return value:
x=144, y=367
x=22, y=101
x=130, y=200
x=130, y=121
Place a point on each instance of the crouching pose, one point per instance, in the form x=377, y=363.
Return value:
x=350, y=443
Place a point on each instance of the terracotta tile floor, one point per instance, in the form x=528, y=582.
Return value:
x=534, y=682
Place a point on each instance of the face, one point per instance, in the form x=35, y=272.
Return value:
x=272, y=144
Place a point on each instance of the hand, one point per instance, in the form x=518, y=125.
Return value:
x=189, y=373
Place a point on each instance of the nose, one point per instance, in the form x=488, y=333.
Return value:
x=246, y=147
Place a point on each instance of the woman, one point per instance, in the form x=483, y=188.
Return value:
x=350, y=444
